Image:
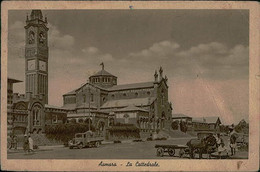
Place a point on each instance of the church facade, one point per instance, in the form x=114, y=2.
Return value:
x=144, y=104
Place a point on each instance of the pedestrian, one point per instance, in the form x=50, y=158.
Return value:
x=11, y=142
x=233, y=138
x=15, y=142
x=222, y=150
x=26, y=144
x=30, y=140
x=219, y=140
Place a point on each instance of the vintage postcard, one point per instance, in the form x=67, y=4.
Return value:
x=130, y=86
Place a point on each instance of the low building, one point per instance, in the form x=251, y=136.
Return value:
x=181, y=117
x=206, y=123
x=199, y=124
x=213, y=122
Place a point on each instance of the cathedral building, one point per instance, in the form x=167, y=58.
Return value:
x=103, y=102
x=100, y=102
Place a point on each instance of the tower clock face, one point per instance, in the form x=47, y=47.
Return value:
x=42, y=65
x=31, y=65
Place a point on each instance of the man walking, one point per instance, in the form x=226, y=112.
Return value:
x=30, y=140
x=233, y=138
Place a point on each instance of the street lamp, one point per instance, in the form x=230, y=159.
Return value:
x=89, y=108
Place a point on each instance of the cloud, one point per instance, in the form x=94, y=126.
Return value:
x=161, y=50
x=93, y=54
x=212, y=60
x=59, y=40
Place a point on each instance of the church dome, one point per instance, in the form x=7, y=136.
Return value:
x=103, y=78
x=102, y=73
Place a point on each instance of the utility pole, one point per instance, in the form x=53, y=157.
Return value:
x=89, y=108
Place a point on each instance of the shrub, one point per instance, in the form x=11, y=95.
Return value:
x=117, y=141
x=65, y=132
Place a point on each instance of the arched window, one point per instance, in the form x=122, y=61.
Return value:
x=91, y=97
x=36, y=115
x=136, y=94
x=84, y=98
x=126, y=116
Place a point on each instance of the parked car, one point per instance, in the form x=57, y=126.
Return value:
x=87, y=139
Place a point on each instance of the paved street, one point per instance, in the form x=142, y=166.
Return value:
x=134, y=150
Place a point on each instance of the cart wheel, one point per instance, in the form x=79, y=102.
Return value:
x=171, y=151
x=181, y=153
x=160, y=152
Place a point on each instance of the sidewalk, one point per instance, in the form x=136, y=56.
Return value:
x=40, y=148
x=112, y=142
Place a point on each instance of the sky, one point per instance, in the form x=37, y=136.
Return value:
x=204, y=54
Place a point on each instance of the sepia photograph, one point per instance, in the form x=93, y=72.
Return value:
x=129, y=84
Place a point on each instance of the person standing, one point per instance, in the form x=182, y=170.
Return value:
x=30, y=140
x=26, y=144
x=233, y=138
x=219, y=140
x=15, y=142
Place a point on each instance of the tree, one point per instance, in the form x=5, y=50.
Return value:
x=175, y=125
x=65, y=132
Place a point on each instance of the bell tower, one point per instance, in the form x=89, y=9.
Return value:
x=36, y=55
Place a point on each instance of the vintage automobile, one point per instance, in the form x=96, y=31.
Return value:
x=87, y=139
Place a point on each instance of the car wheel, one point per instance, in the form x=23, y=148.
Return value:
x=160, y=152
x=97, y=144
x=171, y=151
x=80, y=146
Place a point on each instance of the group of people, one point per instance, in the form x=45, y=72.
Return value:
x=28, y=144
x=222, y=149
x=13, y=142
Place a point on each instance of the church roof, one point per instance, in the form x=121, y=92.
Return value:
x=52, y=106
x=13, y=80
x=179, y=115
x=102, y=72
x=71, y=92
x=130, y=108
x=131, y=86
x=117, y=87
x=209, y=120
x=69, y=106
x=126, y=102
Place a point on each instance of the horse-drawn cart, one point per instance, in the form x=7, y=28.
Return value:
x=170, y=149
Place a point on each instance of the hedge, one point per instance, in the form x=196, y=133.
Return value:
x=65, y=132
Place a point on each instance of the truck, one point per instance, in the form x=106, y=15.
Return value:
x=87, y=139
